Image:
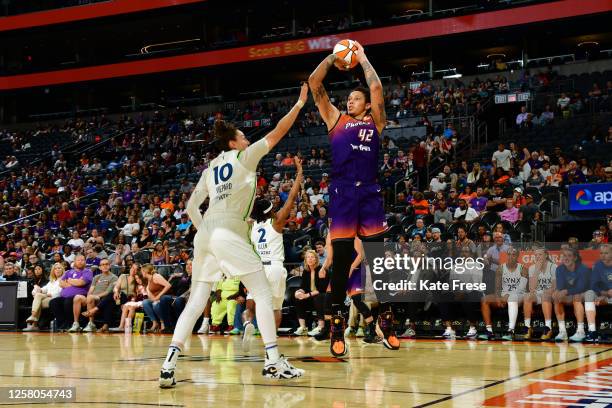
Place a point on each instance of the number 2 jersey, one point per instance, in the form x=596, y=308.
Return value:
x=268, y=243
x=355, y=145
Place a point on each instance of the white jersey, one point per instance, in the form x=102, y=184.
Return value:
x=546, y=278
x=268, y=243
x=512, y=281
x=230, y=182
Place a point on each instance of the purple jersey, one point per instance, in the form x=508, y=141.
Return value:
x=355, y=145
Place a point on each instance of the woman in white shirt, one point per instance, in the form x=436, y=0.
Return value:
x=43, y=296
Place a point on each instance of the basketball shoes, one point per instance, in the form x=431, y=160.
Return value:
x=384, y=330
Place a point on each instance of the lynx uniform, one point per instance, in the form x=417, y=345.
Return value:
x=269, y=245
x=222, y=244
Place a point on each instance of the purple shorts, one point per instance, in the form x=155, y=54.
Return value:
x=356, y=210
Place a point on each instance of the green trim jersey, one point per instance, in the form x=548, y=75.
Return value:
x=230, y=182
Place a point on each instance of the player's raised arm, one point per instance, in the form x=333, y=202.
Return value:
x=251, y=156
x=376, y=89
x=198, y=195
x=283, y=125
x=283, y=213
x=329, y=113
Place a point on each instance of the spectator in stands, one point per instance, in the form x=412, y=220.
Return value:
x=474, y=177
x=479, y=203
x=442, y=214
x=563, y=102
x=75, y=284
x=419, y=204
x=438, y=183
x=100, y=298
x=511, y=213
x=522, y=117
x=535, y=179
x=419, y=229
x=555, y=179
x=463, y=213
x=171, y=306
x=574, y=175
x=157, y=288
x=311, y=295
x=501, y=158
x=43, y=296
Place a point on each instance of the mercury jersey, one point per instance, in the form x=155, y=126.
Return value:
x=512, y=281
x=230, y=182
x=268, y=242
x=354, y=145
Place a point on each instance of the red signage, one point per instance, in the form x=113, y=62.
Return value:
x=85, y=12
x=587, y=386
x=406, y=32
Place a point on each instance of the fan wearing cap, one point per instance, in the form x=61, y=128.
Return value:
x=267, y=237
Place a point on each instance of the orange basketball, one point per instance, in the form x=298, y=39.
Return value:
x=345, y=50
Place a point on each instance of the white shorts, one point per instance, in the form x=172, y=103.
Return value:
x=277, y=277
x=222, y=247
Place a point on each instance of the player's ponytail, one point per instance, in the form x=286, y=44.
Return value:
x=224, y=132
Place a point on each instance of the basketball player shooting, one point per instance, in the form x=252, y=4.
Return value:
x=356, y=204
x=222, y=245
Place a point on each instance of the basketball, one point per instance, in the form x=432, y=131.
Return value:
x=345, y=50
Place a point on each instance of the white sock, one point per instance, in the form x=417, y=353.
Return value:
x=580, y=327
x=527, y=322
x=449, y=328
x=272, y=353
x=489, y=328
x=205, y=321
x=512, y=314
x=548, y=323
x=171, y=357
x=472, y=328
x=562, y=328
x=592, y=327
x=258, y=285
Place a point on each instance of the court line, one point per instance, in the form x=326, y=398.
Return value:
x=77, y=378
x=88, y=402
x=189, y=380
x=498, y=382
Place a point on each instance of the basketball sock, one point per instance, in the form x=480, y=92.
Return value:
x=171, y=357
x=548, y=323
x=580, y=327
x=592, y=327
x=512, y=314
x=489, y=328
x=562, y=328
x=527, y=322
x=272, y=354
x=200, y=292
x=258, y=285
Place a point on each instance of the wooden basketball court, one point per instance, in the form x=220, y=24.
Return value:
x=118, y=370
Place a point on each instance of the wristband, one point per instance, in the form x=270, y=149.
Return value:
x=299, y=104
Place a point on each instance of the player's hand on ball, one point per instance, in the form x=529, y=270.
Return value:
x=360, y=53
